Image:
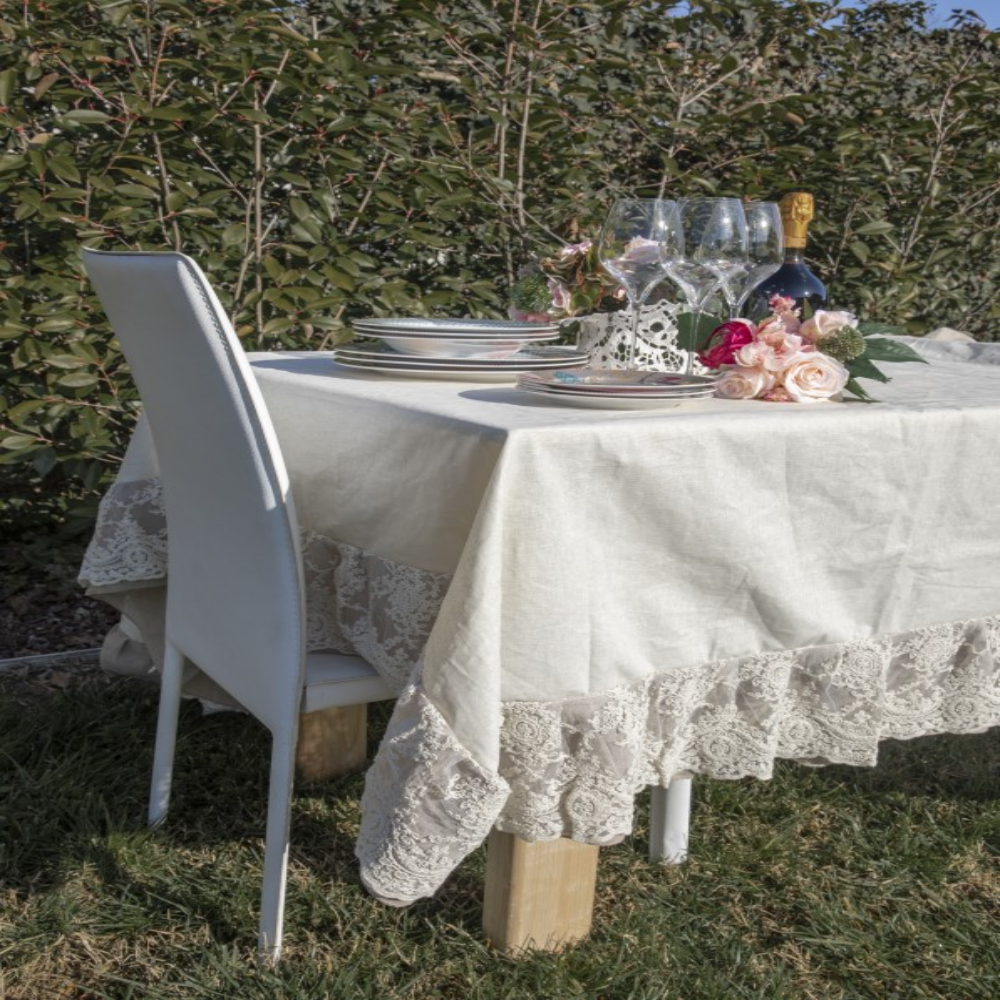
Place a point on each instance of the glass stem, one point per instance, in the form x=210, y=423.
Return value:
x=634, y=336
x=696, y=312
x=697, y=306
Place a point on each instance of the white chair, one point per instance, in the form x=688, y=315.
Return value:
x=235, y=598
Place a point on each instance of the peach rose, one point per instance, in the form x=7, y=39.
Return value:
x=743, y=383
x=779, y=394
x=774, y=349
x=814, y=377
x=825, y=324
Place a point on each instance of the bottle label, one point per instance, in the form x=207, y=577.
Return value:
x=796, y=214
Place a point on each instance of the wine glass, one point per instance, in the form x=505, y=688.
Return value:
x=765, y=247
x=716, y=230
x=714, y=253
x=631, y=250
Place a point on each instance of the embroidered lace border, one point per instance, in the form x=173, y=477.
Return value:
x=356, y=603
x=572, y=768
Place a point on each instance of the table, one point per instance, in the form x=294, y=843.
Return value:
x=575, y=604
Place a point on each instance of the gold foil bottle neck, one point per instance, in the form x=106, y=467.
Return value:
x=796, y=214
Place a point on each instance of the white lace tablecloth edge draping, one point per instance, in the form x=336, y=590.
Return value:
x=572, y=768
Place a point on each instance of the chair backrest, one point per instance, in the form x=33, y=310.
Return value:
x=235, y=593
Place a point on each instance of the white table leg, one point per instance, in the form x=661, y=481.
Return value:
x=669, y=821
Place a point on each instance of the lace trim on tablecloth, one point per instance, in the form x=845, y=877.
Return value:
x=426, y=805
x=574, y=767
x=356, y=602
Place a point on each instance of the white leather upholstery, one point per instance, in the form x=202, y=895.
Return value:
x=234, y=603
x=235, y=599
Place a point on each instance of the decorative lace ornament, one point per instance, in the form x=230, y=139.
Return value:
x=574, y=767
x=130, y=539
x=362, y=604
x=606, y=336
x=356, y=603
x=427, y=804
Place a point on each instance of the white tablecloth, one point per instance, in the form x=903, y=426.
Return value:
x=608, y=598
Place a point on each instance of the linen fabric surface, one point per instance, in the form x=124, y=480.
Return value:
x=608, y=598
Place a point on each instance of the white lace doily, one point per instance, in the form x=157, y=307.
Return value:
x=606, y=336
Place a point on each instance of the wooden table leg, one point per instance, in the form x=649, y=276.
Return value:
x=538, y=896
x=332, y=742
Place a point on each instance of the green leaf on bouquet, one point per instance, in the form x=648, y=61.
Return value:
x=854, y=386
x=694, y=330
x=882, y=349
x=863, y=368
x=872, y=329
x=807, y=310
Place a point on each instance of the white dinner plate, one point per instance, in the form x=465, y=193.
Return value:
x=523, y=360
x=450, y=347
x=450, y=375
x=566, y=390
x=451, y=327
x=605, y=402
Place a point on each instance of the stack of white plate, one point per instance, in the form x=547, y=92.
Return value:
x=481, y=350
x=388, y=362
x=617, y=389
x=422, y=336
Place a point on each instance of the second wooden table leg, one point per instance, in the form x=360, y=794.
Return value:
x=538, y=896
x=332, y=742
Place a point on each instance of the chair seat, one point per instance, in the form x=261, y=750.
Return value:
x=334, y=680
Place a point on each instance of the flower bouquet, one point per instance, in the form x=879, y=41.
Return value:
x=790, y=359
x=571, y=282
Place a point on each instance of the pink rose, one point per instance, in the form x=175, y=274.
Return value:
x=776, y=347
x=814, y=377
x=743, y=383
x=782, y=305
x=779, y=394
x=784, y=313
x=527, y=317
x=560, y=293
x=573, y=249
x=724, y=342
x=825, y=324
x=752, y=355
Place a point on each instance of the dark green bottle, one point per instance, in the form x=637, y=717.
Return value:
x=793, y=279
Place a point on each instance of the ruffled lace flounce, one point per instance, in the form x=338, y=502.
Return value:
x=572, y=768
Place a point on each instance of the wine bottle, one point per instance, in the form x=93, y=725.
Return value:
x=793, y=279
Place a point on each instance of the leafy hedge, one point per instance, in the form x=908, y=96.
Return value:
x=333, y=158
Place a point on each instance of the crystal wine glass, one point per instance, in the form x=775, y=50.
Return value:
x=714, y=253
x=765, y=247
x=631, y=250
x=716, y=231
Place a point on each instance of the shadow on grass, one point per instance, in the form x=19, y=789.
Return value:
x=947, y=767
x=77, y=766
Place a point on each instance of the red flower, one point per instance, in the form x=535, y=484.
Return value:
x=725, y=341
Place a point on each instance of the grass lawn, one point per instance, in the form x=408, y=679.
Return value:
x=822, y=883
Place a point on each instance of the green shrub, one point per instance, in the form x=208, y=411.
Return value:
x=329, y=159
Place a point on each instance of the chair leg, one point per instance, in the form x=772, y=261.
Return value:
x=669, y=821
x=166, y=734
x=279, y=815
